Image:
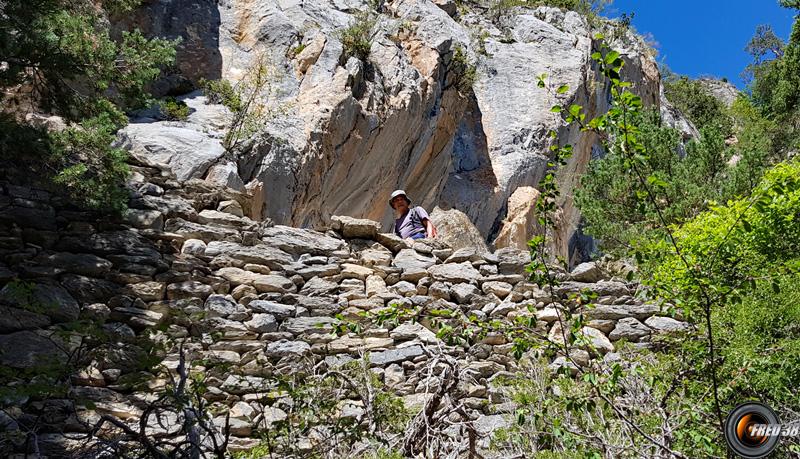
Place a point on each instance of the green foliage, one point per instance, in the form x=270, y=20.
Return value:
x=560, y=416
x=221, y=92
x=687, y=179
x=731, y=245
x=91, y=169
x=259, y=452
x=314, y=401
x=464, y=70
x=252, y=101
x=775, y=84
x=743, y=257
x=701, y=263
x=610, y=197
x=763, y=44
x=173, y=109
x=297, y=50
x=357, y=38
x=500, y=9
x=695, y=101
x=64, y=52
x=759, y=344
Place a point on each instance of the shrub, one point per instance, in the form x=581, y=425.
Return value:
x=252, y=101
x=174, y=110
x=748, y=238
x=221, y=92
x=90, y=168
x=499, y=9
x=776, y=83
x=357, y=38
x=695, y=101
x=465, y=72
x=746, y=254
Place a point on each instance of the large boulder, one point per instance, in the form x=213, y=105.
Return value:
x=666, y=325
x=457, y=230
x=587, y=272
x=629, y=329
x=186, y=152
x=520, y=221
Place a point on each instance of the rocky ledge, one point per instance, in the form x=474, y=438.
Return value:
x=245, y=301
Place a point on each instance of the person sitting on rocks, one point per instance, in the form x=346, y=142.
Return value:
x=411, y=222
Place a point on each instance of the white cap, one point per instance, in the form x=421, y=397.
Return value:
x=397, y=193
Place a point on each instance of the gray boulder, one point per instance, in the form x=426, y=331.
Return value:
x=280, y=311
x=666, y=325
x=587, y=272
x=186, y=152
x=629, y=329
x=83, y=263
x=300, y=325
x=262, y=323
x=285, y=348
x=512, y=261
x=390, y=356
x=260, y=254
x=463, y=293
x=15, y=319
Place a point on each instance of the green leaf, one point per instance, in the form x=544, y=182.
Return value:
x=562, y=89
x=611, y=57
x=556, y=109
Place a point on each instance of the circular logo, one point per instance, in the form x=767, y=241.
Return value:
x=747, y=430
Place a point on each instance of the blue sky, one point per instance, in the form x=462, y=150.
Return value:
x=701, y=37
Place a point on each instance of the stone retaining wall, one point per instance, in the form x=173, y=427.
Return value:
x=248, y=300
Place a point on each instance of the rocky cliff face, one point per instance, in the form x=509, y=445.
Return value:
x=247, y=303
x=352, y=130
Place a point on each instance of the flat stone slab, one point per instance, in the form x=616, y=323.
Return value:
x=260, y=254
x=454, y=272
x=299, y=241
x=384, y=358
x=299, y=325
x=411, y=259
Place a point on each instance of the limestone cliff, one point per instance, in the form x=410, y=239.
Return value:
x=352, y=130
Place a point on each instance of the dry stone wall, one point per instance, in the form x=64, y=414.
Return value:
x=247, y=301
